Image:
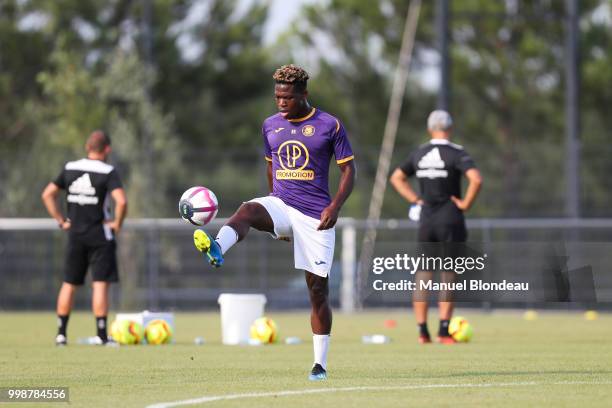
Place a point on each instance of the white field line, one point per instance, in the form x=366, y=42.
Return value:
x=213, y=398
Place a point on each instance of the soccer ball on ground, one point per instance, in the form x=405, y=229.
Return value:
x=127, y=332
x=158, y=331
x=460, y=329
x=198, y=205
x=264, y=330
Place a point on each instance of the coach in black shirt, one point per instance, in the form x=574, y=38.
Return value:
x=439, y=167
x=89, y=184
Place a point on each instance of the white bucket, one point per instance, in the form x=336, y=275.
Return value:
x=238, y=312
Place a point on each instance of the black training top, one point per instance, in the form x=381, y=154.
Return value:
x=88, y=184
x=439, y=166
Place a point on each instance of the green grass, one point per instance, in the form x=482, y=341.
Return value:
x=568, y=358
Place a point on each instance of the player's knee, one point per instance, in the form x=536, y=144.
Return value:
x=248, y=212
x=68, y=287
x=243, y=219
x=318, y=290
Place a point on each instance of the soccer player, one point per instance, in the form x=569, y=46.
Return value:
x=439, y=166
x=91, y=233
x=299, y=142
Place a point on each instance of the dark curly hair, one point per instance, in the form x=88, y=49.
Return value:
x=291, y=75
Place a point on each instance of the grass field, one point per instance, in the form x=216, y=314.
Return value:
x=558, y=360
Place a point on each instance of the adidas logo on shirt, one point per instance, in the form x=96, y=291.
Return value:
x=432, y=160
x=82, y=185
x=432, y=165
x=82, y=192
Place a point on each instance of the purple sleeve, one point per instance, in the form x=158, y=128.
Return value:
x=60, y=180
x=342, y=146
x=267, y=150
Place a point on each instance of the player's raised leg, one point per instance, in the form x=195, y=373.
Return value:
x=321, y=322
x=249, y=215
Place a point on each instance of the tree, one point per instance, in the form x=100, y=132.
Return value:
x=92, y=73
x=596, y=41
x=351, y=48
x=507, y=89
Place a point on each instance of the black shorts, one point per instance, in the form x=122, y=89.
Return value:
x=442, y=232
x=442, y=241
x=99, y=255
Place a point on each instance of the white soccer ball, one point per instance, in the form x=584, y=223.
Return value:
x=198, y=205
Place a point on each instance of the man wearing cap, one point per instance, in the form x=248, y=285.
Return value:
x=439, y=166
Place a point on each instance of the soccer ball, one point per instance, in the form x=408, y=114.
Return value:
x=127, y=332
x=460, y=329
x=158, y=332
x=198, y=205
x=264, y=330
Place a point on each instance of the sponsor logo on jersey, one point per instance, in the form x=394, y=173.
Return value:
x=293, y=158
x=431, y=165
x=82, y=192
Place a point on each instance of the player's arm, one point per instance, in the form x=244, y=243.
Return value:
x=400, y=182
x=49, y=198
x=329, y=216
x=474, y=185
x=120, y=200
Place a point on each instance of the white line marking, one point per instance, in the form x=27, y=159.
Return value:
x=213, y=398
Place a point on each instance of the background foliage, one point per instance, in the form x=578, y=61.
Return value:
x=184, y=93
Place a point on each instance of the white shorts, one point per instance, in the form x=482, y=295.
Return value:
x=313, y=250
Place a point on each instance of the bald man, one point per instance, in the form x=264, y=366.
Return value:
x=89, y=183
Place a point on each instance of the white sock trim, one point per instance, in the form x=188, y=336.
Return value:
x=320, y=343
x=226, y=238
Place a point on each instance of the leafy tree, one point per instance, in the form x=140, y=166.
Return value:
x=351, y=47
x=596, y=98
x=194, y=100
x=507, y=78
x=91, y=74
x=148, y=149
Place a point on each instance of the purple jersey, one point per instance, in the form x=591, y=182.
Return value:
x=300, y=151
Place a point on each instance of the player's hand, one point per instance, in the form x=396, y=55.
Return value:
x=288, y=239
x=329, y=216
x=462, y=205
x=114, y=225
x=65, y=225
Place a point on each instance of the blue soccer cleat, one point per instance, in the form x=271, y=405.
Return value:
x=318, y=373
x=205, y=244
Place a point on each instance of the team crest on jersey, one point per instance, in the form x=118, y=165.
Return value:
x=308, y=130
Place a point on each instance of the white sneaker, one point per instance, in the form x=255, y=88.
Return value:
x=60, y=340
x=96, y=341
